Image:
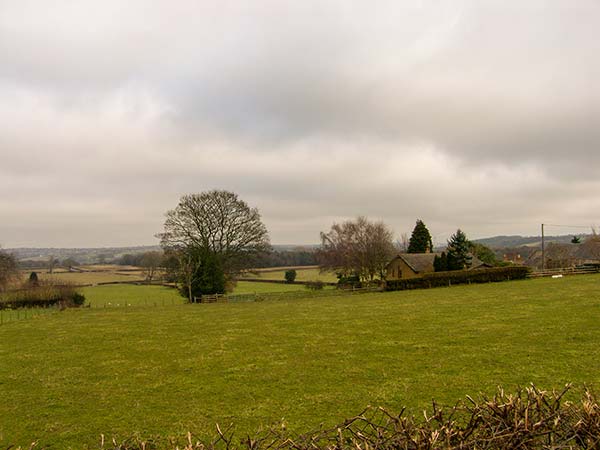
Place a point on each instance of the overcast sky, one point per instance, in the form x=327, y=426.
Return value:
x=474, y=114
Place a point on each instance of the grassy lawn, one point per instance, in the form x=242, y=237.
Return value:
x=65, y=378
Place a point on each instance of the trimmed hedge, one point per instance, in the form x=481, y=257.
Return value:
x=437, y=279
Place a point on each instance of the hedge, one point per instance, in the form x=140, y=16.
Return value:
x=42, y=296
x=437, y=279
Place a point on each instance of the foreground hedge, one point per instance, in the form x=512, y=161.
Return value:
x=527, y=419
x=41, y=297
x=437, y=279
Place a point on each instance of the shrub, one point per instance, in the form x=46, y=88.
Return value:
x=437, y=279
x=77, y=299
x=315, y=285
x=349, y=281
x=290, y=276
x=33, y=279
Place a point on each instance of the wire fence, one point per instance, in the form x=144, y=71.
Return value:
x=288, y=295
x=13, y=315
x=131, y=303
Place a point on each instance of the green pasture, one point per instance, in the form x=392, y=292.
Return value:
x=251, y=287
x=68, y=377
x=312, y=274
x=118, y=295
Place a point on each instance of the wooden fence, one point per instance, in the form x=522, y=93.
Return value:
x=564, y=271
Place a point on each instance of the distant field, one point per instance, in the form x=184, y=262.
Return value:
x=311, y=274
x=67, y=377
x=91, y=275
x=113, y=273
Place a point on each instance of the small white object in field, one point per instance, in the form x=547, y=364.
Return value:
x=557, y=276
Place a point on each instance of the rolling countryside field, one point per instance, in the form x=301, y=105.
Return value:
x=68, y=377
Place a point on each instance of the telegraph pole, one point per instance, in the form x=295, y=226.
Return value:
x=543, y=250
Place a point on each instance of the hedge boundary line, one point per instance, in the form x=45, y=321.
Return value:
x=438, y=279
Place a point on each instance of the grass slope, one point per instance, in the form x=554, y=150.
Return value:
x=67, y=377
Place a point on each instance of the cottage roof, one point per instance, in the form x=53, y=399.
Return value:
x=423, y=262
x=419, y=262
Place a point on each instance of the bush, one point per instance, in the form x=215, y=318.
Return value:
x=77, y=299
x=290, y=276
x=350, y=281
x=437, y=279
x=315, y=285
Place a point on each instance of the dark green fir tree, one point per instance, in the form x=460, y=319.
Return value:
x=420, y=239
x=459, y=256
x=440, y=263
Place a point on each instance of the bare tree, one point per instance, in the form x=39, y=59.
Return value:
x=590, y=248
x=9, y=271
x=357, y=247
x=402, y=244
x=218, y=223
x=151, y=262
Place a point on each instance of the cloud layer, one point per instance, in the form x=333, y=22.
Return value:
x=473, y=114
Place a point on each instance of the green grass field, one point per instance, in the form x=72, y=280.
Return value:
x=312, y=274
x=65, y=378
x=250, y=287
x=119, y=295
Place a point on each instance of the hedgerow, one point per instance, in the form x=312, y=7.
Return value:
x=42, y=296
x=437, y=279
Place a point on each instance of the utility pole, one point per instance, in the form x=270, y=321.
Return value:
x=543, y=250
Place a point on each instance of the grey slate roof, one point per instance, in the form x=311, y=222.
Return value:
x=423, y=262
x=419, y=262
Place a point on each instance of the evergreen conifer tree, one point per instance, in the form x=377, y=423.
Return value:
x=459, y=256
x=33, y=279
x=420, y=239
x=440, y=263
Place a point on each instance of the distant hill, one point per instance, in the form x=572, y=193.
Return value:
x=81, y=255
x=110, y=254
x=525, y=241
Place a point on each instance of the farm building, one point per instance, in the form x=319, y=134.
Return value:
x=410, y=265
x=413, y=265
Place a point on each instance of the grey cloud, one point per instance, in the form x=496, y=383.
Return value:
x=312, y=111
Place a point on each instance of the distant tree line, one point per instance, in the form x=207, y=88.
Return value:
x=288, y=258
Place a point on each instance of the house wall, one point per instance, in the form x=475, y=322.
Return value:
x=398, y=269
